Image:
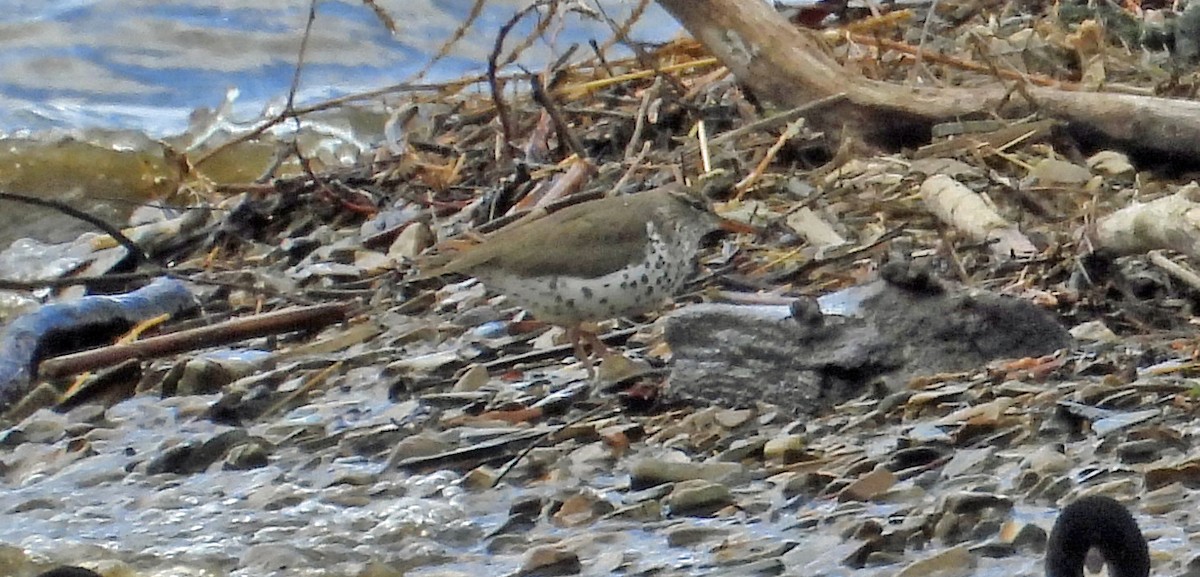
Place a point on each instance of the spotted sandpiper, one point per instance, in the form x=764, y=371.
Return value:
x=612, y=257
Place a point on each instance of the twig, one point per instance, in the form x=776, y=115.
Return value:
x=621, y=32
x=557, y=351
x=282, y=321
x=484, y=452
x=133, y=248
x=788, y=134
x=542, y=24
x=633, y=166
x=783, y=118
x=506, y=129
x=499, y=223
x=639, y=121
x=444, y=49
x=508, y=467
x=560, y=123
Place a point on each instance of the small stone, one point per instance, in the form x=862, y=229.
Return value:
x=372, y=262
x=1030, y=537
x=733, y=418
x=247, y=456
x=644, y=511
x=548, y=560
x=581, y=509
x=952, y=562
x=972, y=502
x=44, y=427
x=743, y=449
x=412, y=241
x=650, y=472
x=1054, y=171
x=688, y=535
x=868, y=486
x=787, y=448
x=1143, y=451
x=481, y=477
x=698, y=497
x=1110, y=162
x=12, y=560
x=472, y=380
x=1047, y=460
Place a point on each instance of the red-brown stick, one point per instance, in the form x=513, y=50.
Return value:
x=277, y=322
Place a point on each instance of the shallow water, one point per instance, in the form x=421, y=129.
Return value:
x=147, y=64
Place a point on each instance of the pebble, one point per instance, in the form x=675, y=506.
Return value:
x=548, y=561
x=698, y=497
x=648, y=472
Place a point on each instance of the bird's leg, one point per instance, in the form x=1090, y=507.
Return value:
x=575, y=335
x=599, y=349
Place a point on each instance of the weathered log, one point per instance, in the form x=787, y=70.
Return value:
x=787, y=65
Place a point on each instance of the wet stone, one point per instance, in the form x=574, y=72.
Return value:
x=548, y=561
x=1143, y=451
x=44, y=427
x=969, y=502
x=698, y=497
x=649, y=472
x=689, y=535
x=743, y=449
x=247, y=456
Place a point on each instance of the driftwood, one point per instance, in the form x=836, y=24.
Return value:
x=788, y=66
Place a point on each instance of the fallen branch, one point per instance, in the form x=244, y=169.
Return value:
x=788, y=66
x=278, y=322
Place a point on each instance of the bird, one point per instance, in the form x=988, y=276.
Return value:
x=611, y=257
x=1101, y=523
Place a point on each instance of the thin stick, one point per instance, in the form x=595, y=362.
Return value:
x=538, y=440
x=133, y=248
x=560, y=123
x=281, y=321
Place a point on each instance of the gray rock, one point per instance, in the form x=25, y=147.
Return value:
x=740, y=355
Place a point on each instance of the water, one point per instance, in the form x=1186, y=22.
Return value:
x=147, y=64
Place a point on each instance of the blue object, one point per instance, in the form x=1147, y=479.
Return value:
x=21, y=339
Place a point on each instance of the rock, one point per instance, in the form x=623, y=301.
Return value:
x=650, y=472
x=471, y=381
x=698, y=497
x=1142, y=451
x=1047, y=460
x=786, y=448
x=952, y=562
x=193, y=456
x=972, y=502
x=868, y=486
x=480, y=478
x=246, y=456
x=547, y=561
x=415, y=238
x=44, y=427
x=737, y=356
x=688, y=535
x=265, y=559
